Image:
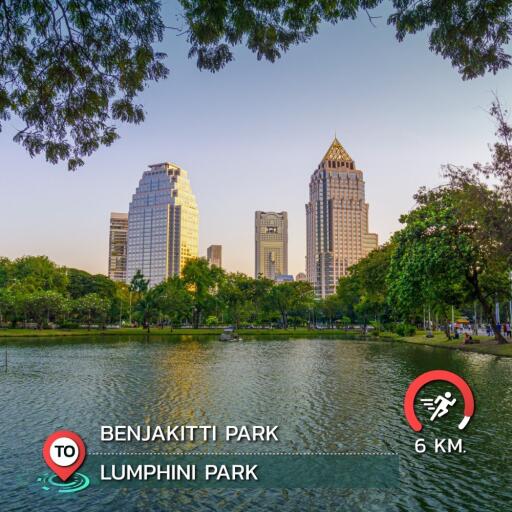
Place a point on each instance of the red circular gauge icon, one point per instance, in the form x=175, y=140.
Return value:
x=436, y=375
x=64, y=452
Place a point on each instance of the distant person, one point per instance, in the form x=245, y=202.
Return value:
x=509, y=330
x=489, y=330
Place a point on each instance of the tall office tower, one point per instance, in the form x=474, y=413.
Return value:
x=214, y=255
x=117, y=246
x=336, y=220
x=271, y=236
x=163, y=224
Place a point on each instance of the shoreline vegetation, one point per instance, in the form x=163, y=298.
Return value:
x=485, y=345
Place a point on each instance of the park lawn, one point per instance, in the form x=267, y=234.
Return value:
x=487, y=344
x=139, y=331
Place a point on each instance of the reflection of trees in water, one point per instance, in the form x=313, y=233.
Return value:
x=177, y=386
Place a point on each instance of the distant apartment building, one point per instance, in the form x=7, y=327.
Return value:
x=271, y=244
x=117, y=246
x=163, y=224
x=284, y=278
x=214, y=255
x=336, y=220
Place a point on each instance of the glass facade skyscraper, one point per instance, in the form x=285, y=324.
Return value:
x=163, y=224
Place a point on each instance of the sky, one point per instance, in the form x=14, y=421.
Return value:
x=250, y=137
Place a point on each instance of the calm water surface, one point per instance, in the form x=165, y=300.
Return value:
x=326, y=395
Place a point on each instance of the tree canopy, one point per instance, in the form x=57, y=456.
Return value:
x=34, y=290
x=471, y=34
x=363, y=293
x=441, y=258
x=71, y=69
x=454, y=252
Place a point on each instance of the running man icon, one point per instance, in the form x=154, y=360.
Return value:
x=442, y=402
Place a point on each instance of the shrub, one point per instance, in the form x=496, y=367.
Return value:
x=68, y=324
x=403, y=329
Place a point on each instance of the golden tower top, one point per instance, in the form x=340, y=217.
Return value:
x=337, y=152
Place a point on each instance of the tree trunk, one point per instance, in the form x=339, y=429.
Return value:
x=488, y=311
x=497, y=332
x=195, y=318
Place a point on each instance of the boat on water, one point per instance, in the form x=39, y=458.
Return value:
x=230, y=334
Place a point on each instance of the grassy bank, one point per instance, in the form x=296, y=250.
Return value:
x=167, y=331
x=486, y=345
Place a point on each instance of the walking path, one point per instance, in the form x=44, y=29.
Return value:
x=487, y=344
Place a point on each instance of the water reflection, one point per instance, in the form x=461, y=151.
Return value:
x=325, y=394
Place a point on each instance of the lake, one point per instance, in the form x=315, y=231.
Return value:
x=326, y=395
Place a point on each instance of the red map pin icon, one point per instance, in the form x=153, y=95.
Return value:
x=64, y=452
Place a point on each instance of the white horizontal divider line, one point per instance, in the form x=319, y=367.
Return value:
x=192, y=454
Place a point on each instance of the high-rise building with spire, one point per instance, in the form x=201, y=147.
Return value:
x=336, y=220
x=163, y=224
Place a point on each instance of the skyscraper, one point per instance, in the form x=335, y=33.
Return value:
x=214, y=255
x=336, y=220
x=271, y=244
x=163, y=224
x=117, y=246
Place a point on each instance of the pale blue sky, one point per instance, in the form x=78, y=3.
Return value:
x=251, y=135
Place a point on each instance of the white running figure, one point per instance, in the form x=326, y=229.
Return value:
x=442, y=402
